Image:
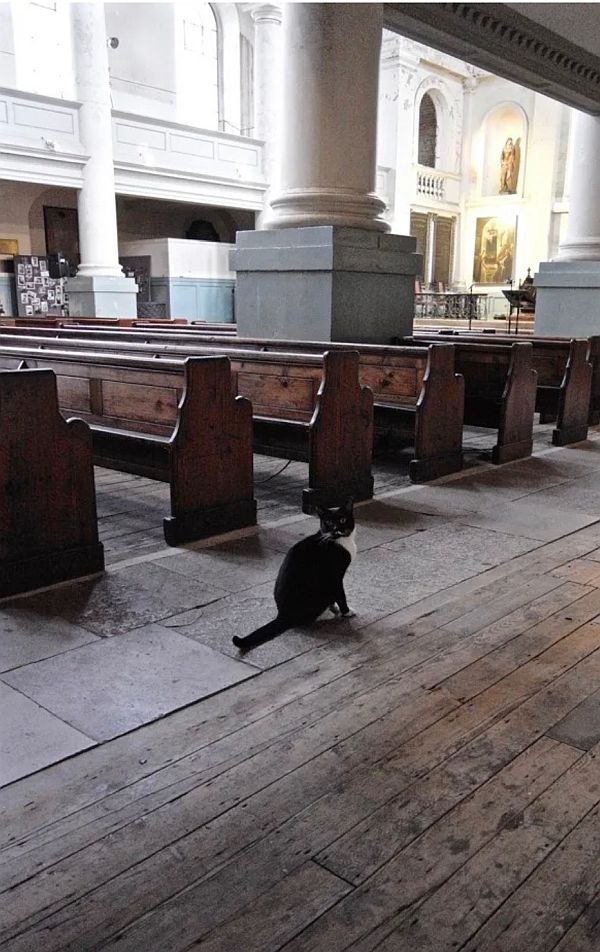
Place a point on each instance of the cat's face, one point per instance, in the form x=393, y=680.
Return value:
x=337, y=522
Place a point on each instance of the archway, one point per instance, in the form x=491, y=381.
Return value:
x=428, y=133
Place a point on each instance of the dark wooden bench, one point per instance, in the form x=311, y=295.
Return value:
x=204, y=452
x=48, y=524
x=110, y=323
x=500, y=392
x=418, y=396
x=310, y=408
x=565, y=369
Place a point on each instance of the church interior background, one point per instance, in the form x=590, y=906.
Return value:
x=473, y=166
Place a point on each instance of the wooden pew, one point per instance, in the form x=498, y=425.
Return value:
x=157, y=323
x=418, y=397
x=500, y=389
x=309, y=408
x=48, y=524
x=205, y=454
x=565, y=369
x=207, y=459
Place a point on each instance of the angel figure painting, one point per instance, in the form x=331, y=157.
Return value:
x=510, y=159
x=494, y=251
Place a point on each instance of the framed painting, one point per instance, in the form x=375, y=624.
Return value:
x=9, y=246
x=493, y=261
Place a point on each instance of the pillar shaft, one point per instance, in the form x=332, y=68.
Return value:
x=582, y=240
x=97, y=214
x=267, y=79
x=327, y=158
x=568, y=287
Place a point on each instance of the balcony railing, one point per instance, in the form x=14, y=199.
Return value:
x=437, y=186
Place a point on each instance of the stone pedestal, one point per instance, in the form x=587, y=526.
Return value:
x=325, y=283
x=102, y=296
x=568, y=298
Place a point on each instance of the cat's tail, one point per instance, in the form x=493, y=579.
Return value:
x=258, y=637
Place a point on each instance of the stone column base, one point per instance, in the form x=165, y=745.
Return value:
x=102, y=296
x=325, y=283
x=567, y=300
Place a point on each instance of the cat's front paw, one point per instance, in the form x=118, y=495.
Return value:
x=349, y=614
x=334, y=610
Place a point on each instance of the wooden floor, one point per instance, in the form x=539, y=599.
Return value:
x=432, y=783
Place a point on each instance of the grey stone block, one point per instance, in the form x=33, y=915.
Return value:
x=325, y=283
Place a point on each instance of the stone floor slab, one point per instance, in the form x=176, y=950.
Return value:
x=581, y=726
x=580, y=495
x=531, y=520
x=27, y=636
x=122, y=600
x=113, y=686
x=448, y=547
x=232, y=566
x=240, y=613
x=31, y=738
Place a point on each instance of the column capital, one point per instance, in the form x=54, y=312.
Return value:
x=264, y=12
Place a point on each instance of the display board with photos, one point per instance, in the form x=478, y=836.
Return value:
x=39, y=295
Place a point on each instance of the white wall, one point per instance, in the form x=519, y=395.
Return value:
x=142, y=67
x=7, y=47
x=43, y=47
x=197, y=74
x=532, y=205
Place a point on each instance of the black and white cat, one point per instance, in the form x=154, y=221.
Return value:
x=311, y=577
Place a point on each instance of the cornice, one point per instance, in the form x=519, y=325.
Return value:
x=497, y=38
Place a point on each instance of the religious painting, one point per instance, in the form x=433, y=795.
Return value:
x=9, y=246
x=494, y=250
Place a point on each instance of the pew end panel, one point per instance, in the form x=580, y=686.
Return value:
x=48, y=522
x=340, y=435
x=439, y=420
x=211, y=456
x=515, y=433
x=574, y=396
x=594, y=359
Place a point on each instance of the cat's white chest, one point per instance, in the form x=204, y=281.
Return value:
x=348, y=543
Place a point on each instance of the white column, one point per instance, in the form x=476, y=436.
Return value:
x=568, y=288
x=327, y=158
x=97, y=213
x=582, y=241
x=267, y=79
x=405, y=159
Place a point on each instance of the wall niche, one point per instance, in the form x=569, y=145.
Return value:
x=505, y=134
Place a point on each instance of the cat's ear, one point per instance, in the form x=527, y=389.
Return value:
x=320, y=511
x=349, y=503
